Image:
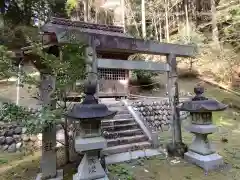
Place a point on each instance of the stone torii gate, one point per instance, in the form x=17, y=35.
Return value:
x=114, y=47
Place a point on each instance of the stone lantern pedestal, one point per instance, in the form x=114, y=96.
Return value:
x=88, y=139
x=90, y=143
x=201, y=151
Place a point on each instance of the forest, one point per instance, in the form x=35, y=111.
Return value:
x=212, y=25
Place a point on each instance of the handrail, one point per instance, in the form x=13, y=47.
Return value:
x=153, y=136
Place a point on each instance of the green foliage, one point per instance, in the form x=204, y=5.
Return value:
x=188, y=73
x=34, y=121
x=10, y=112
x=24, y=12
x=144, y=79
x=3, y=161
x=70, y=5
x=67, y=69
x=121, y=172
x=74, y=65
x=40, y=120
x=17, y=36
x=231, y=33
x=7, y=68
x=193, y=37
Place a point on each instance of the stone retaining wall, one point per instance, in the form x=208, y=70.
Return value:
x=13, y=138
x=157, y=114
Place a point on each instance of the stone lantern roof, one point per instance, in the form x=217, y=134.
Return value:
x=199, y=103
x=89, y=109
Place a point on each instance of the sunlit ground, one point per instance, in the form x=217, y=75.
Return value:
x=177, y=169
x=20, y=167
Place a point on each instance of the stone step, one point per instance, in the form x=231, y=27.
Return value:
x=123, y=116
x=126, y=140
x=122, y=133
x=128, y=156
x=118, y=108
x=122, y=112
x=114, y=105
x=120, y=127
x=113, y=122
x=126, y=148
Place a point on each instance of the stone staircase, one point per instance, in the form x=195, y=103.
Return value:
x=123, y=134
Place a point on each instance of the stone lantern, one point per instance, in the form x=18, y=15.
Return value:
x=88, y=116
x=201, y=152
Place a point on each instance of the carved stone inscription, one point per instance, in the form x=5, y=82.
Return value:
x=92, y=165
x=49, y=159
x=48, y=146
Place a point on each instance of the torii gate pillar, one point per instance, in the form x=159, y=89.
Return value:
x=176, y=147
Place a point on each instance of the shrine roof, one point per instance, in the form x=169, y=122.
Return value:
x=84, y=27
x=110, y=39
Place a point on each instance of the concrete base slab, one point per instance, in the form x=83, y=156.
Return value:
x=58, y=177
x=104, y=178
x=127, y=156
x=207, y=162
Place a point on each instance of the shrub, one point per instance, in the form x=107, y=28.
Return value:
x=10, y=112
x=144, y=79
x=185, y=73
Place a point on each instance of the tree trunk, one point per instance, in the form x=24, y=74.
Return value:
x=155, y=27
x=215, y=36
x=66, y=136
x=187, y=21
x=123, y=14
x=129, y=7
x=143, y=18
x=78, y=13
x=166, y=19
x=160, y=29
x=86, y=10
x=96, y=15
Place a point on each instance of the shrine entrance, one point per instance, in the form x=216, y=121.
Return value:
x=109, y=49
x=113, y=82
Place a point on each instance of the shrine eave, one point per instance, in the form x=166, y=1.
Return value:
x=117, y=42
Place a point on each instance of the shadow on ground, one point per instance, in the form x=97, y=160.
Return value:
x=20, y=167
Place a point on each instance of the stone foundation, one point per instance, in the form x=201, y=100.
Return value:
x=13, y=138
x=207, y=162
x=157, y=114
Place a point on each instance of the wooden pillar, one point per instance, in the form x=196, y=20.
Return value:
x=49, y=156
x=173, y=94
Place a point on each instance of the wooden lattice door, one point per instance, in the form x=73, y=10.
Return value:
x=113, y=82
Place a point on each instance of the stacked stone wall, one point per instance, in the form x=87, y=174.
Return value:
x=13, y=138
x=157, y=114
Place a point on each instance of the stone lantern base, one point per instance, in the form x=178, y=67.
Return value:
x=200, y=151
x=58, y=177
x=90, y=168
x=207, y=162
